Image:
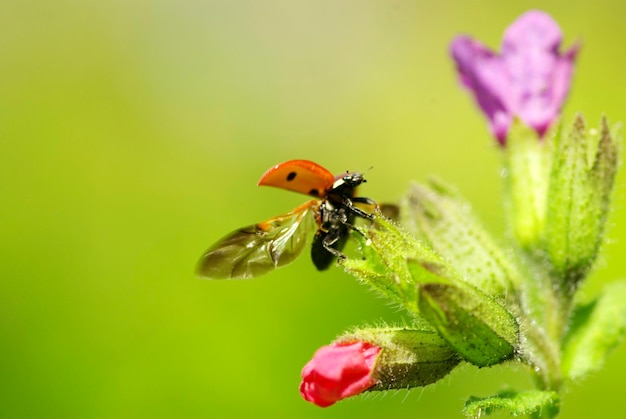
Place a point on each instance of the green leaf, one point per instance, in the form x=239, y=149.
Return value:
x=532, y=402
x=595, y=330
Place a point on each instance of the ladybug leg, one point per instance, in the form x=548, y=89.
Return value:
x=349, y=204
x=331, y=238
x=342, y=218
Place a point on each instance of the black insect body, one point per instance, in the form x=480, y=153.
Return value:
x=335, y=218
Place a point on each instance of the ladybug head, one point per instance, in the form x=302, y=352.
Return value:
x=347, y=182
x=353, y=179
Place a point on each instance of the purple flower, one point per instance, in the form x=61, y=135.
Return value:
x=529, y=79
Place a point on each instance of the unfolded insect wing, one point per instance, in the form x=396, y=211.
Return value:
x=301, y=176
x=255, y=250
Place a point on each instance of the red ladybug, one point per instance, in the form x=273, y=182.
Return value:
x=257, y=249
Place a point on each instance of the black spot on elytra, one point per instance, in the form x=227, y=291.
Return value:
x=291, y=176
x=314, y=192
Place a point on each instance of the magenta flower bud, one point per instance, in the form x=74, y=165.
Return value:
x=529, y=79
x=338, y=371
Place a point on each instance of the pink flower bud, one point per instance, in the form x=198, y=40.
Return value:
x=338, y=371
x=529, y=79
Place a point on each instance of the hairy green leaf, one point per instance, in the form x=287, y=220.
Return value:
x=532, y=402
x=595, y=330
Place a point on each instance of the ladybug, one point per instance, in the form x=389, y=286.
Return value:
x=257, y=249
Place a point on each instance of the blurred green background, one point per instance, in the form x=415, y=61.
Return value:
x=132, y=134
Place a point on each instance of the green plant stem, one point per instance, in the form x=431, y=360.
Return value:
x=559, y=313
x=547, y=309
x=545, y=362
x=555, y=328
x=543, y=357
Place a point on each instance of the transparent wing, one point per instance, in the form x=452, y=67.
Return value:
x=257, y=249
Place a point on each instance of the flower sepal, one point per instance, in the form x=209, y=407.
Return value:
x=410, y=356
x=584, y=165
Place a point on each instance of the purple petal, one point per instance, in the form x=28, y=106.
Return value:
x=562, y=75
x=530, y=79
x=539, y=76
x=533, y=29
x=483, y=72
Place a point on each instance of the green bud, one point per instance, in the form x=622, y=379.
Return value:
x=410, y=357
x=581, y=181
x=526, y=172
x=443, y=220
x=386, y=248
x=481, y=330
